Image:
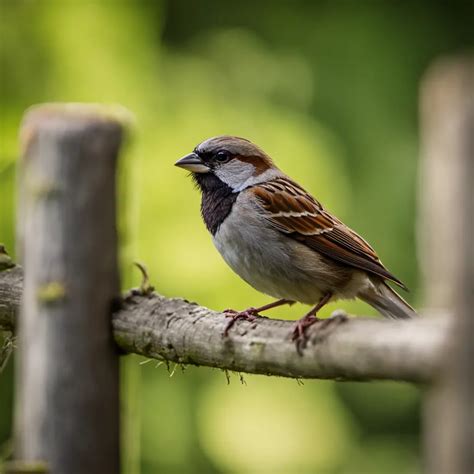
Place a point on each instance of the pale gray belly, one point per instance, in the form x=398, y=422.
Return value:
x=273, y=263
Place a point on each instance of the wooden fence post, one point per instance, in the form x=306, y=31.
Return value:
x=447, y=245
x=67, y=408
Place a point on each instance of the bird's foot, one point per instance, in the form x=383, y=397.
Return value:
x=299, y=335
x=249, y=314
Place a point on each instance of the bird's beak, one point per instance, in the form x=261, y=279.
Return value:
x=192, y=163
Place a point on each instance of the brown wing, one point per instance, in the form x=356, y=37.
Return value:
x=296, y=213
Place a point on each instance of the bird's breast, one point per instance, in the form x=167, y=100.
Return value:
x=267, y=259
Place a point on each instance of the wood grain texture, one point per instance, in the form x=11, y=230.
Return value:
x=67, y=406
x=178, y=331
x=447, y=236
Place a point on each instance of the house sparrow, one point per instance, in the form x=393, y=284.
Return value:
x=280, y=239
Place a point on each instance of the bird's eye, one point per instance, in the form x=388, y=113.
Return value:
x=222, y=156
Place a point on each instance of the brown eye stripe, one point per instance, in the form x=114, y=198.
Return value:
x=260, y=161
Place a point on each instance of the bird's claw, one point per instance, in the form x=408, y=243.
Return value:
x=299, y=335
x=250, y=314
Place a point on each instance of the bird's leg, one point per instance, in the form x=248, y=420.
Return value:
x=250, y=314
x=299, y=332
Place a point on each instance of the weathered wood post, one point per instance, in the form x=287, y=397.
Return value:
x=447, y=245
x=67, y=408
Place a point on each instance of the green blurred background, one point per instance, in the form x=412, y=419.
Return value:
x=329, y=90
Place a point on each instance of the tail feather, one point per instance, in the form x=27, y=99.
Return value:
x=387, y=301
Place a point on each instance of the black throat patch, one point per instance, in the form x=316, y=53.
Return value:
x=217, y=200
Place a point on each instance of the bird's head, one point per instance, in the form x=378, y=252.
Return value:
x=234, y=161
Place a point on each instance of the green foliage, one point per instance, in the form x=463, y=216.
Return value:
x=329, y=89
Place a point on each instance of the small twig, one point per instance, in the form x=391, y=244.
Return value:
x=146, y=288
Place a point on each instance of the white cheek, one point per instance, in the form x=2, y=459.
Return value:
x=235, y=174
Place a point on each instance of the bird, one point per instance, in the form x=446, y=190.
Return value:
x=281, y=240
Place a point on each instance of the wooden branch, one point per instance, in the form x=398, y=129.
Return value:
x=175, y=330
x=67, y=404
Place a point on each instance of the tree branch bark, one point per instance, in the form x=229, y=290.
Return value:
x=178, y=331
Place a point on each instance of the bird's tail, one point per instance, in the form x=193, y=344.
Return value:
x=387, y=301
